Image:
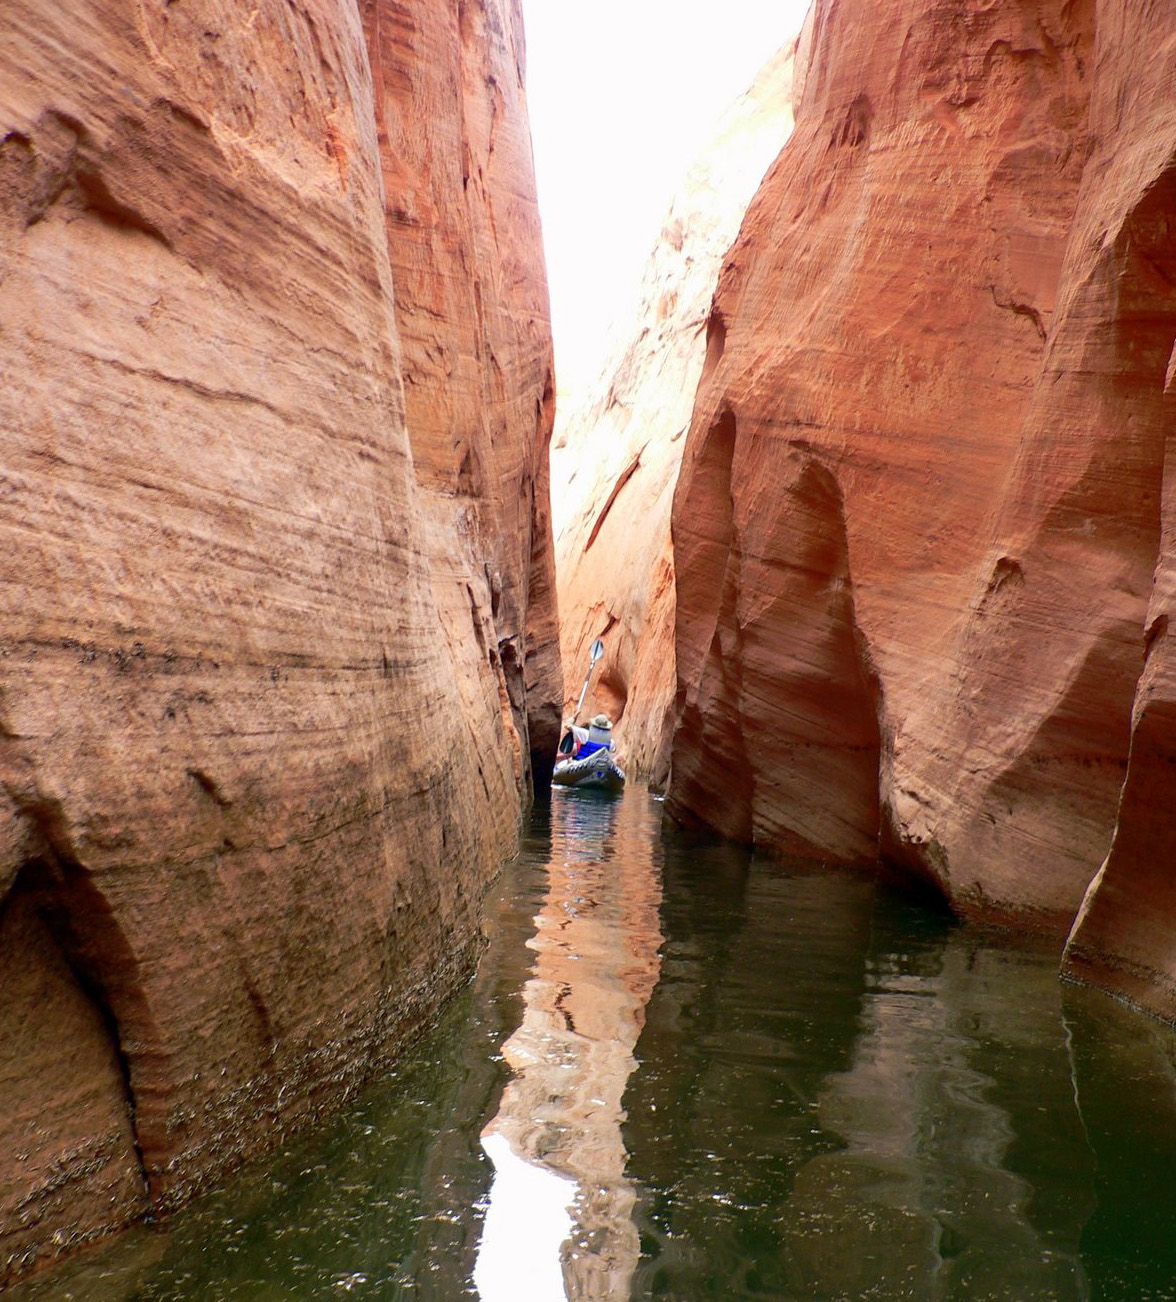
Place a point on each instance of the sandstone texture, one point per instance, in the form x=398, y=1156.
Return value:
x=919, y=512
x=1125, y=322
x=278, y=606
x=471, y=307
x=616, y=456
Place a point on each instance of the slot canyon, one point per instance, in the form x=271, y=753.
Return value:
x=305, y=553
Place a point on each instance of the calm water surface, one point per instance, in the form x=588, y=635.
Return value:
x=681, y=1074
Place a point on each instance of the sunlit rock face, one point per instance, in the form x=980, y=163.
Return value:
x=616, y=457
x=919, y=511
x=263, y=698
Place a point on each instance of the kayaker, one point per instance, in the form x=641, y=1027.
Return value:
x=599, y=737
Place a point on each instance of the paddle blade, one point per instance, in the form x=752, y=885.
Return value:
x=597, y=651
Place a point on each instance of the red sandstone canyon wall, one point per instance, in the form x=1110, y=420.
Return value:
x=1121, y=337
x=278, y=632
x=616, y=455
x=919, y=510
x=471, y=306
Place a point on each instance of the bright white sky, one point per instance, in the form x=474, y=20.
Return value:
x=623, y=95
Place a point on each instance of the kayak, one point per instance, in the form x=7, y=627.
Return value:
x=598, y=772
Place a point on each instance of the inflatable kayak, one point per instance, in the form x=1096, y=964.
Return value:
x=596, y=772
x=586, y=754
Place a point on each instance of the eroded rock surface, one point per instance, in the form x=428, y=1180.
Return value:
x=1124, y=329
x=918, y=516
x=615, y=458
x=264, y=699
x=471, y=307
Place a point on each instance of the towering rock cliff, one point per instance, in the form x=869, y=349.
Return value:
x=471, y=306
x=265, y=699
x=615, y=458
x=1123, y=320
x=920, y=507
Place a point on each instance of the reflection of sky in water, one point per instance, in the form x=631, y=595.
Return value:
x=596, y=961
x=527, y=1221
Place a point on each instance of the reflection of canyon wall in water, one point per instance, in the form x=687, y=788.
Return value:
x=958, y=1085
x=264, y=697
x=616, y=454
x=1124, y=1077
x=842, y=1096
x=760, y=991
x=596, y=962
x=919, y=513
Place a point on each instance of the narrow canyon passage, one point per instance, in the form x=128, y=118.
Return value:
x=684, y=1072
x=323, y=478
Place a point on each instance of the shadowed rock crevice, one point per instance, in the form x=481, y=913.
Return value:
x=80, y=924
x=68, y=1111
x=629, y=471
x=812, y=698
x=854, y=131
x=86, y=931
x=778, y=736
x=716, y=344
x=541, y=662
x=612, y=692
x=713, y=780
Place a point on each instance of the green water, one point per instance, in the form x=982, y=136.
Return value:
x=747, y=1080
